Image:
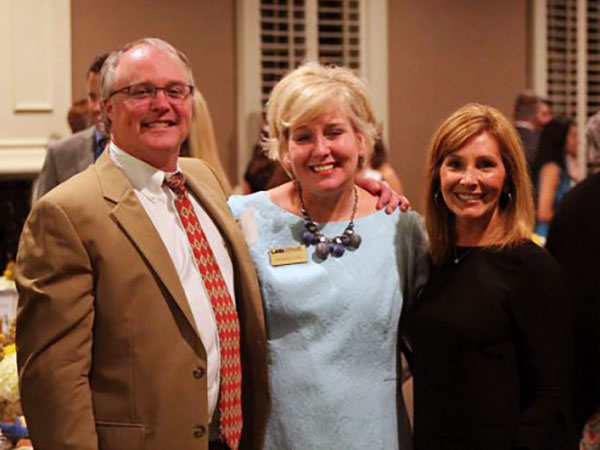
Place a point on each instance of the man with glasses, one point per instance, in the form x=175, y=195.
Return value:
x=74, y=154
x=140, y=319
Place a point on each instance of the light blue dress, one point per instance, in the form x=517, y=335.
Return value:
x=333, y=328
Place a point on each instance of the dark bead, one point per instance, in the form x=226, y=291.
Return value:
x=322, y=250
x=311, y=226
x=355, y=240
x=338, y=250
x=308, y=238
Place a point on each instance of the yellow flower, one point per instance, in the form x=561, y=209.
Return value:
x=10, y=349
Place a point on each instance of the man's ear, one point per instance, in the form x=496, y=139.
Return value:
x=107, y=108
x=286, y=163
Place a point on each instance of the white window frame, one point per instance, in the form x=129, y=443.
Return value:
x=373, y=62
x=539, y=65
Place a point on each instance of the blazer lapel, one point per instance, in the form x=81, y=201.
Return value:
x=132, y=217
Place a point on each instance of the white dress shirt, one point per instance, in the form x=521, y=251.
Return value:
x=158, y=202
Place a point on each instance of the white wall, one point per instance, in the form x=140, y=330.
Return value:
x=35, y=80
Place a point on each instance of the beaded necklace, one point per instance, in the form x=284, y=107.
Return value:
x=336, y=246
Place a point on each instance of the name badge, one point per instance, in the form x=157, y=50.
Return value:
x=281, y=256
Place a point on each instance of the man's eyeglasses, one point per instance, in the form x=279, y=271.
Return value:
x=145, y=92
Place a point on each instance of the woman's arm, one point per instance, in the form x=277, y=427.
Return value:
x=388, y=198
x=548, y=184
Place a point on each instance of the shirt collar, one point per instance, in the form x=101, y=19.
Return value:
x=145, y=178
x=524, y=124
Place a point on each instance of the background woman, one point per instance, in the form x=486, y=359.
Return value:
x=557, y=140
x=202, y=142
x=332, y=305
x=490, y=333
x=379, y=168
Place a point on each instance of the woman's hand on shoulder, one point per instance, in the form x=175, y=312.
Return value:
x=388, y=198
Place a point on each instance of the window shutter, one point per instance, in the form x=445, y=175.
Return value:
x=339, y=32
x=283, y=40
x=562, y=56
x=593, y=57
x=285, y=43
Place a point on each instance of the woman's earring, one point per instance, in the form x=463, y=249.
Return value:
x=361, y=162
x=436, y=198
x=506, y=199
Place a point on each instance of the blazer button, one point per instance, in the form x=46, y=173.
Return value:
x=199, y=431
x=198, y=372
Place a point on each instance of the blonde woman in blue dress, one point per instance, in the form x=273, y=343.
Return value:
x=334, y=271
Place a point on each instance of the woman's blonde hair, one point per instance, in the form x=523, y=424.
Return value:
x=203, y=144
x=311, y=90
x=516, y=204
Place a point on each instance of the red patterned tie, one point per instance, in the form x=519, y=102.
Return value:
x=225, y=313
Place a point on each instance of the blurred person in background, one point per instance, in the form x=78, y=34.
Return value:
x=557, y=140
x=202, y=142
x=69, y=156
x=78, y=116
x=543, y=114
x=592, y=138
x=574, y=240
x=530, y=115
x=379, y=168
x=262, y=172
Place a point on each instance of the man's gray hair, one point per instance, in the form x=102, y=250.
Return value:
x=592, y=138
x=107, y=74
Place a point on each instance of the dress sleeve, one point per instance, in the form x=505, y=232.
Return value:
x=54, y=331
x=417, y=270
x=544, y=345
x=414, y=272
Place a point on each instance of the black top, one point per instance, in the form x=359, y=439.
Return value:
x=491, y=341
x=574, y=240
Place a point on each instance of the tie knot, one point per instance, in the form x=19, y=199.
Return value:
x=176, y=183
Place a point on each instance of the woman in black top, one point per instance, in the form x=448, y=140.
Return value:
x=490, y=333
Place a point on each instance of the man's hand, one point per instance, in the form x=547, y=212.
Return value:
x=387, y=197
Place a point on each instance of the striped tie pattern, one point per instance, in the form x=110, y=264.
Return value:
x=225, y=313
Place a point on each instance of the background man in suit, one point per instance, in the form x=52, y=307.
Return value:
x=574, y=240
x=137, y=296
x=72, y=155
x=531, y=113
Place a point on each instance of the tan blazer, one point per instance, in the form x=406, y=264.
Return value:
x=108, y=353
